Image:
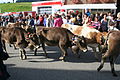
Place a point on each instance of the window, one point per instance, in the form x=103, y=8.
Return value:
x=43, y=10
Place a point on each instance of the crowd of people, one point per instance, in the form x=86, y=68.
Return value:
x=101, y=21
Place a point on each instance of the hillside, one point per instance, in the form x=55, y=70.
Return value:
x=15, y=7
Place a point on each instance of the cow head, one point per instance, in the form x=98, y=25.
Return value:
x=80, y=42
x=33, y=40
x=101, y=37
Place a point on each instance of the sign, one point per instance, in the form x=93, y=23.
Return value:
x=45, y=9
x=46, y=3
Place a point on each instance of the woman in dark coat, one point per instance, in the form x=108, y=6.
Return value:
x=4, y=75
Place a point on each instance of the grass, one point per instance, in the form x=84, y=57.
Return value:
x=15, y=7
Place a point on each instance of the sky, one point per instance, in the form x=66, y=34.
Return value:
x=2, y=1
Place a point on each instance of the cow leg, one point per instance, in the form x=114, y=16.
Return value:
x=64, y=52
x=36, y=48
x=102, y=62
x=3, y=42
x=14, y=46
x=43, y=47
x=24, y=54
x=35, y=52
x=95, y=53
x=112, y=60
x=20, y=52
x=75, y=50
x=100, y=49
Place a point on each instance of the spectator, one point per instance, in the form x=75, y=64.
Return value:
x=79, y=20
x=96, y=24
x=1, y=22
x=87, y=12
x=109, y=15
x=20, y=14
x=23, y=21
x=118, y=21
x=88, y=21
x=49, y=21
x=104, y=24
x=84, y=18
x=11, y=18
x=112, y=24
x=30, y=21
x=100, y=17
x=58, y=21
x=41, y=18
x=37, y=21
x=45, y=19
x=72, y=19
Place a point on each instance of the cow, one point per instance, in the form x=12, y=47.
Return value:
x=111, y=50
x=17, y=24
x=60, y=37
x=19, y=37
x=93, y=37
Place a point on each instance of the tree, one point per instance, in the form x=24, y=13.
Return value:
x=13, y=1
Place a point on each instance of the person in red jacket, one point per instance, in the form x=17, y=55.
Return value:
x=41, y=18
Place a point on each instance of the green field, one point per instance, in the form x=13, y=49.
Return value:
x=15, y=7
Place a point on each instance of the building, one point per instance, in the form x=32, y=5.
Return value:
x=48, y=7
x=94, y=5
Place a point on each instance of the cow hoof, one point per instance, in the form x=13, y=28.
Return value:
x=24, y=58
x=98, y=69
x=64, y=60
x=47, y=57
x=21, y=58
x=15, y=48
x=115, y=75
x=61, y=58
x=35, y=54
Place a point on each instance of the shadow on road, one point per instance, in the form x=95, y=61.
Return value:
x=58, y=74
x=54, y=53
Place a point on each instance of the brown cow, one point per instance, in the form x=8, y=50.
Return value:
x=17, y=24
x=60, y=37
x=18, y=37
x=92, y=36
x=111, y=50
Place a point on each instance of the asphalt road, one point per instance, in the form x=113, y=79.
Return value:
x=40, y=68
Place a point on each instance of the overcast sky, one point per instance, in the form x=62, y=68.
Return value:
x=2, y=1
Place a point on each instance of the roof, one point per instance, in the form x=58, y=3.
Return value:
x=89, y=6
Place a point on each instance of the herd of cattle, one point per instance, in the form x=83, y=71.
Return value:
x=68, y=36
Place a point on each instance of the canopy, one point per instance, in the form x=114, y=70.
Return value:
x=89, y=6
